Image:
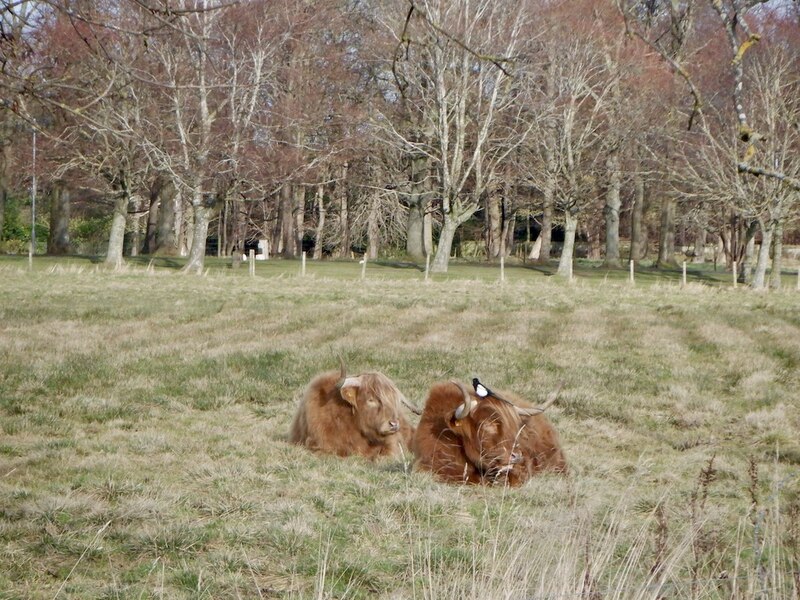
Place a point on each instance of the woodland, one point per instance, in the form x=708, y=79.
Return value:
x=618, y=130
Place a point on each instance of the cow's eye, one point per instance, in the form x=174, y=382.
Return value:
x=372, y=402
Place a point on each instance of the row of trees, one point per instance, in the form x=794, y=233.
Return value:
x=381, y=124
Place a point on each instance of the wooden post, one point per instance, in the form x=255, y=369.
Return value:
x=502, y=269
x=735, y=275
x=631, y=269
x=364, y=267
x=684, y=273
x=427, y=265
x=303, y=265
x=251, y=257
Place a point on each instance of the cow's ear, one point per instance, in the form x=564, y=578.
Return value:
x=349, y=390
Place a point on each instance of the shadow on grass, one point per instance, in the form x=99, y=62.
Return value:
x=395, y=264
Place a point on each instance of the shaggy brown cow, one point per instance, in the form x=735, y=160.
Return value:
x=352, y=415
x=464, y=438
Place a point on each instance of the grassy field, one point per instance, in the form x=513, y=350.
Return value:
x=144, y=414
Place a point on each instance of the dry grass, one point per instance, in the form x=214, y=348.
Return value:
x=143, y=453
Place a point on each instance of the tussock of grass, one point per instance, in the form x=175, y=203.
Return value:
x=159, y=405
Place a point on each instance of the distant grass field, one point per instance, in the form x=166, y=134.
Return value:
x=144, y=413
x=516, y=270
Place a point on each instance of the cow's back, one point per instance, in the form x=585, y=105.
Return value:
x=323, y=422
x=540, y=442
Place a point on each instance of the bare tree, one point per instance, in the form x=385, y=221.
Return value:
x=570, y=133
x=457, y=58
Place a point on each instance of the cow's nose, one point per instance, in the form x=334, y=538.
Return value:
x=516, y=457
x=394, y=426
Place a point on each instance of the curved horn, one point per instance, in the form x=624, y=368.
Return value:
x=343, y=375
x=469, y=403
x=537, y=410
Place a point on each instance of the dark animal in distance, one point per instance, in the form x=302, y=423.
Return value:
x=352, y=415
x=462, y=437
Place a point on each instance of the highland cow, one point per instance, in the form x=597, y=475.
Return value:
x=346, y=415
x=462, y=437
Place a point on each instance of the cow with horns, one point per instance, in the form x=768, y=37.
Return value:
x=484, y=438
x=352, y=415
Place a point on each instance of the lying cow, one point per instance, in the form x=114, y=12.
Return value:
x=352, y=415
x=462, y=437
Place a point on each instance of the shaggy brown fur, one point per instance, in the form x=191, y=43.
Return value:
x=353, y=415
x=492, y=444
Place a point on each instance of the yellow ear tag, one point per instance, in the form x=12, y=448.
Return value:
x=349, y=394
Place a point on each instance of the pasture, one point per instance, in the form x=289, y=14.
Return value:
x=144, y=418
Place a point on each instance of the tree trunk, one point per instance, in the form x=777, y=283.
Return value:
x=594, y=237
x=637, y=221
x=760, y=273
x=223, y=228
x=373, y=229
x=344, y=215
x=417, y=209
x=427, y=232
x=777, y=256
x=320, y=198
x=546, y=234
x=276, y=240
x=166, y=243
x=149, y=245
x=116, y=239
x=299, y=215
x=455, y=215
x=5, y=152
x=136, y=225
x=611, y=210
x=58, y=240
x=567, y=252
x=446, y=236
x=666, y=238
x=509, y=224
x=181, y=226
x=287, y=222
x=3, y=197
x=749, y=254
x=493, y=225
x=202, y=212
x=238, y=212
x=700, y=245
